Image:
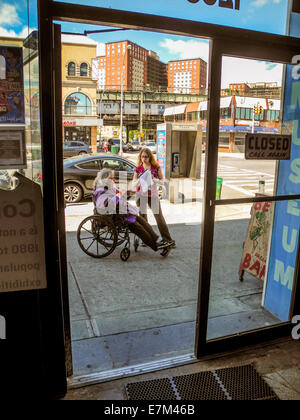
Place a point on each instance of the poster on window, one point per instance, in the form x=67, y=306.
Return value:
x=161, y=148
x=11, y=86
x=12, y=148
x=255, y=250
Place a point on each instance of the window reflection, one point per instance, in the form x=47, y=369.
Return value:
x=78, y=104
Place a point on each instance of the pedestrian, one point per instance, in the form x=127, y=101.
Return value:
x=105, y=146
x=108, y=200
x=147, y=165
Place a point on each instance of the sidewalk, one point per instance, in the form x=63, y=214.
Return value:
x=149, y=299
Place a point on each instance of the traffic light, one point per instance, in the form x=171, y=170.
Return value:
x=258, y=109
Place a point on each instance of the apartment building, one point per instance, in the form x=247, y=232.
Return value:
x=157, y=73
x=187, y=76
x=258, y=89
x=123, y=60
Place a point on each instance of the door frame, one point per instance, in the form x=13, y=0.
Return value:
x=224, y=41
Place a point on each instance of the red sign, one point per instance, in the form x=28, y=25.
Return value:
x=69, y=123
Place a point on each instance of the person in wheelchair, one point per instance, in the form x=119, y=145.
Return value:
x=108, y=200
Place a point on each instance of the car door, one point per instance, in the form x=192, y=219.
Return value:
x=67, y=149
x=75, y=148
x=87, y=172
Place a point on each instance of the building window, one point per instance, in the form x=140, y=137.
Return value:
x=83, y=69
x=71, y=69
x=78, y=104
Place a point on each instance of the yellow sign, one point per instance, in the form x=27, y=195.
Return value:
x=142, y=134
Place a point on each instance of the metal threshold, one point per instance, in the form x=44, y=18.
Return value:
x=109, y=375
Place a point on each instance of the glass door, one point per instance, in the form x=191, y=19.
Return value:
x=256, y=219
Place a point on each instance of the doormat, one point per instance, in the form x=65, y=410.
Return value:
x=235, y=383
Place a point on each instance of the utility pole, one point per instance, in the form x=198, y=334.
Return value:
x=122, y=102
x=141, y=114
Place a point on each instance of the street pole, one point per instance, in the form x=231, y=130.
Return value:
x=121, y=113
x=141, y=116
x=253, y=119
x=122, y=102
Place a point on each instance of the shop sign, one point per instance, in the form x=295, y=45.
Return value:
x=22, y=253
x=228, y=4
x=268, y=146
x=11, y=86
x=81, y=122
x=69, y=123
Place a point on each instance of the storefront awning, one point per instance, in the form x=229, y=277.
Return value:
x=247, y=102
x=224, y=103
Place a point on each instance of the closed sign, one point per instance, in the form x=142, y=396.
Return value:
x=268, y=146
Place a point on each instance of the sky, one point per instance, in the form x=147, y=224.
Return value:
x=15, y=21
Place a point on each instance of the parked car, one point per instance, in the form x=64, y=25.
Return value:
x=80, y=173
x=136, y=146
x=75, y=148
x=151, y=146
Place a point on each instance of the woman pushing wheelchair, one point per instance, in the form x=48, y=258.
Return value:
x=109, y=201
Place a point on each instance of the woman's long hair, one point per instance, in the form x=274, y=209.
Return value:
x=150, y=155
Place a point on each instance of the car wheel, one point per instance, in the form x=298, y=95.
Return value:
x=73, y=193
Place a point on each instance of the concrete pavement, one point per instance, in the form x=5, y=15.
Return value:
x=116, y=304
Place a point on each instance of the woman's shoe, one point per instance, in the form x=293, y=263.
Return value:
x=162, y=244
x=172, y=243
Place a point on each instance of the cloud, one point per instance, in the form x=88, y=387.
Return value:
x=181, y=49
x=236, y=70
x=10, y=33
x=261, y=3
x=9, y=15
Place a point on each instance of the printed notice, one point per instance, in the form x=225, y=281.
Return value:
x=22, y=254
x=12, y=149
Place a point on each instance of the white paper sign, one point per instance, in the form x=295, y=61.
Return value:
x=146, y=181
x=22, y=252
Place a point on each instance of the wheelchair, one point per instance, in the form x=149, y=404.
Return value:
x=99, y=235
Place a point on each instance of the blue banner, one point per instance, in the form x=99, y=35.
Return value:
x=286, y=226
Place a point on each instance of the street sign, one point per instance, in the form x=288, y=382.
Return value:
x=268, y=146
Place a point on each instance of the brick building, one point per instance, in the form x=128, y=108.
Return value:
x=187, y=76
x=157, y=73
x=123, y=59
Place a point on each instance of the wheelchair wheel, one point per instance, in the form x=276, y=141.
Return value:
x=125, y=254
x=97, y=236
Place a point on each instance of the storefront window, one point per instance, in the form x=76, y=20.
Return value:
x=235, y=13
x=78, y=104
